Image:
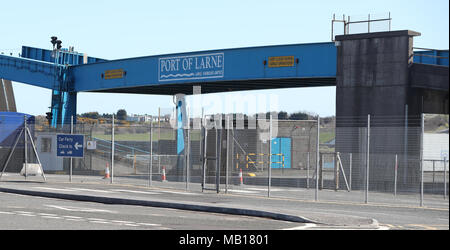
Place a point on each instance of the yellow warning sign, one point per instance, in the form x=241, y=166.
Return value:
x=281, y=61
x=113, y=74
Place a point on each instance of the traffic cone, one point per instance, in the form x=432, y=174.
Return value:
x=163, y=177
x=106, y=172
x=241, y=178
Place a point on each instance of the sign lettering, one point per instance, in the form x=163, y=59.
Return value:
x=191, y=67
x=281, y=61
x=113, y=74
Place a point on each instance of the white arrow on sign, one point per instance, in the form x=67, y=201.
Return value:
x=77, y=145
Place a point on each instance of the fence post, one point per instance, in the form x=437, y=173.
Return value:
x=270, y=157
x=227, y=127
x=188, y=152
x=445, y=178
x=367, y=160
x=405, y=146
x=322, y=161
x=307, y=170
x=25, y=145
x=350, y=174
x=150, y=171
x=71, y=159
x=112, y=149
x=218, y=156
x=434, y=169
x=336, y=171
x=395, y=175
x=422, y=126
x=317, y=158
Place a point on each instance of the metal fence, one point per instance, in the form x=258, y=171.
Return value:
x=354, y=159
x=357, y=24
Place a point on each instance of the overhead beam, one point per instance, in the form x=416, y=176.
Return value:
x=225, y=86
x=222, y=69
x=36, y=73
x=45, y=55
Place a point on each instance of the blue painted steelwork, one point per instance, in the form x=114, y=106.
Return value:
x=32, y=72
x=73, y=58
x=436, y=57
x=63, y=104
x=180, y=102
x=316, y=60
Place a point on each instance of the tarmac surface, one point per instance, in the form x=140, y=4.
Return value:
x=326, y=214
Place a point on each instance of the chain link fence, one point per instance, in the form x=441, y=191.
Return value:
x=356, y=159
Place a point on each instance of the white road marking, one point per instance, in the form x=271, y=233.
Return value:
x=1, y=212
x=98, y=219
x=31, y=215
x=149, y=224
x=265, y=189
x=100, y=222
x=175, y=192
x=92, y=190
x=242, y=191
x=51, y=217
x=304, y=227
x=72, y=217
x=81, y=219
x=383, y=228
x=23, y=212
x=131, y=225
x=82, y=209
x=43, y=214
x=133, y=191
x=55, y=189
x=121, y=221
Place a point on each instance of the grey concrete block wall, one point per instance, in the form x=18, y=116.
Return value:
x=373, y=77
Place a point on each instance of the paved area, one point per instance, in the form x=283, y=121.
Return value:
x=24, y=212
x=322, y=214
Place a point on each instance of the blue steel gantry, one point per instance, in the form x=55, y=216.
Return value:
x=66, y=72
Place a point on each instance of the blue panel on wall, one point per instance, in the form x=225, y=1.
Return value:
x=281, y=152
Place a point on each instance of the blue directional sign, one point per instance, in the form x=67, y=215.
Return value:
x=70, y=145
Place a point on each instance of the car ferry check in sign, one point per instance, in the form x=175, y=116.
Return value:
x=70, y=145
x=191, y=67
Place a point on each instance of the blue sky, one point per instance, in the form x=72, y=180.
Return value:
x=121, y=29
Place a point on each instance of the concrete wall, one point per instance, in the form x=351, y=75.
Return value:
x=373, y=77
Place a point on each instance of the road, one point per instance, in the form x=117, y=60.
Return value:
x=331, y=214
x=37, y=213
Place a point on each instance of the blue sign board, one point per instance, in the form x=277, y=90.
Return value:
x=70, y=145
x=191, y=67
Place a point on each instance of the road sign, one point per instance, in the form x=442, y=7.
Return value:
x=92, y=145
x=70, y=145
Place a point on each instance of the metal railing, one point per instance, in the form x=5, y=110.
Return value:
x=364, y=25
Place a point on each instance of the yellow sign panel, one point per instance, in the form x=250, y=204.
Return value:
x=281, y=61
x=113, y=74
